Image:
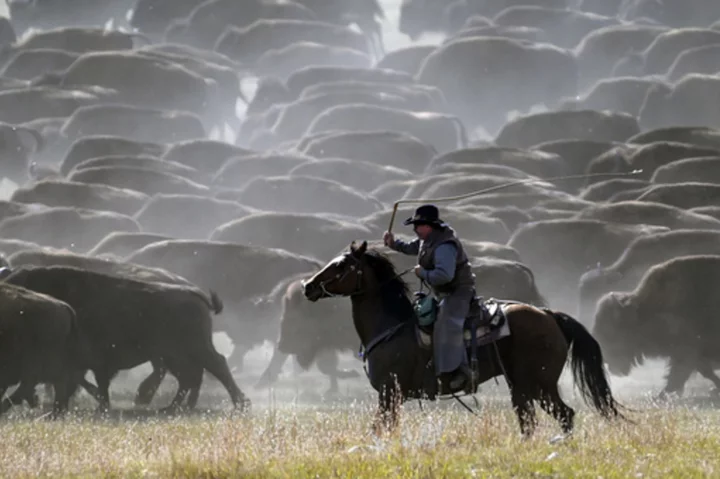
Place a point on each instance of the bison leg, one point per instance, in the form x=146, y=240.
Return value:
x=216, y=364
x=271, y=373
x=147, y=389
x=194, y=379
x=90, y=388
x=680, y=371
x=102, y=378
x=707, y=371
x=328, y=363
x=237, y=358
x=62, y=390
x=24, y=391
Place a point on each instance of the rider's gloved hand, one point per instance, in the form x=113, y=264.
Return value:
x=388, y=239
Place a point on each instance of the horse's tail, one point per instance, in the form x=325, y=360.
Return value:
x=587, y=366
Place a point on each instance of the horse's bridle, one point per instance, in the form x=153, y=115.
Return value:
x=358, y=284
x=342, y=276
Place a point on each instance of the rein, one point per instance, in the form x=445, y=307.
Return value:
x=364, y=351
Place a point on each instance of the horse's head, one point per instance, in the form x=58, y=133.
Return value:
x=340, y=277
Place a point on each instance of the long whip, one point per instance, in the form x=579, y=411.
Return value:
x=502, y=187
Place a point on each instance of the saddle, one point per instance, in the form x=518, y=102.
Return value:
x=486, y=318
x=486, y=323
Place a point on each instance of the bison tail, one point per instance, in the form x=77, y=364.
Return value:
x=216, y=302
x=588, y=366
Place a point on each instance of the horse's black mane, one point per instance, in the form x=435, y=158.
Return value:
x=394, y=290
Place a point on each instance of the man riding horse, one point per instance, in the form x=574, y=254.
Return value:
x=443, y=264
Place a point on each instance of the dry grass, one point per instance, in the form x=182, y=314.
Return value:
x=314, y=442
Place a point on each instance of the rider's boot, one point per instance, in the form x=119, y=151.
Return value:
x=465, y=378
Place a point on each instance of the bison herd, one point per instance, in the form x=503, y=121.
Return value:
x=175, y=168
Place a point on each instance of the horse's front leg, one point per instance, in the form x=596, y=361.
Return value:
x=387, y=415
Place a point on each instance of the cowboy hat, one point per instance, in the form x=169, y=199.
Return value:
x=425, y=215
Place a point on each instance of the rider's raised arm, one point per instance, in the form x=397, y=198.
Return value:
x=409, y=248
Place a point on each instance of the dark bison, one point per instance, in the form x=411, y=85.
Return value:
x=71, y=228
x=118, y=245
x=694, y=170
x=283, y=61
x=124, y=323
x=237, y=172
x=601, y=49
x=648, y=213
x=168, y=214
x=619, y=94
x=91, y=196
x=684, y=195
x=530, y=130
x=271, y=91
x=497, y=91
x=444, y=132
x=46, y=103
x=304, y=194
x=533, y=162
x=360, y=175
x=209, y=19
x=563, y=27
x=695, y=60
x=315, y=236
x=670, y=314
x=247, y=44
x=184, y=89
x=659, y=55
x=223, y=267
x=133, y=123
x=387, y=148
x=145, y=162
x=640, y=255
x=95, y=146
x=39, y=343
x=682, y=103
x=560, y=251
x=648, y=157
x=144, y=180
x=700, y=136
x=29, y=64
x=577, y=154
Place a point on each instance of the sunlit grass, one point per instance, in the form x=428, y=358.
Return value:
x=307, y=442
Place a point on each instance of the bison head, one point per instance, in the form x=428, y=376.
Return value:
x=593, y=285
x=618, y=330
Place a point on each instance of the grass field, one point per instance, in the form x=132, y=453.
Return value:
x=440, y=441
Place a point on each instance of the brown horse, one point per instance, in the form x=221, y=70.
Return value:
x=532, y=356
